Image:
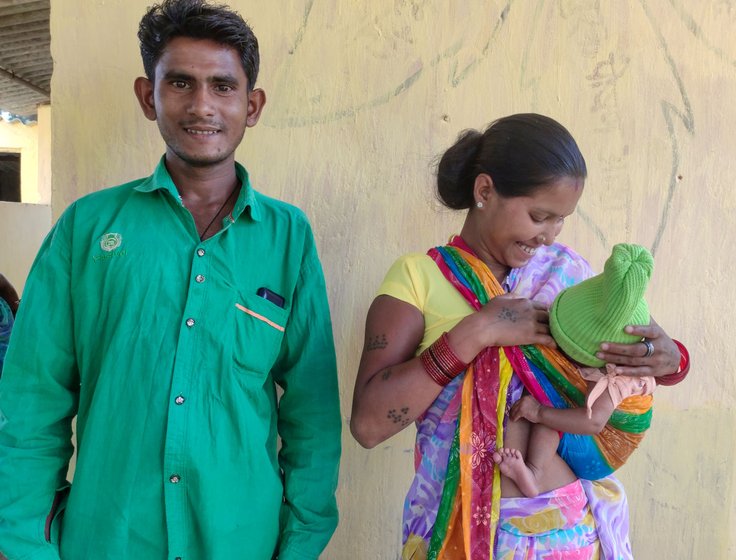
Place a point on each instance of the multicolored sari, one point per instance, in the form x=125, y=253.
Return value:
x=555, y=525
x=458, y=434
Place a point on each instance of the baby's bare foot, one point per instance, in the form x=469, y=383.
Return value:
x=511, y=464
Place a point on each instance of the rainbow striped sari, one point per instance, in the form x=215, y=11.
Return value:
x=468, y=513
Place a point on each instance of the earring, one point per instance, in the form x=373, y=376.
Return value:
x=479, y=204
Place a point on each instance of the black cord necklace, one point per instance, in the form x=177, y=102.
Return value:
x=212, y=221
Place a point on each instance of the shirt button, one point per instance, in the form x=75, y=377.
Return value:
x=190, y=322
x=174, y=479
x=179, y=400
x=199, y=278
x=200, y=252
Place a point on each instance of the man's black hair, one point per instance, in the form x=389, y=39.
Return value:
x=196, y=19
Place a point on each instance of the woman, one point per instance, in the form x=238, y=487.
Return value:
x=435, y=316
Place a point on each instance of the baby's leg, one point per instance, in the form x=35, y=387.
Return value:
x=542, y=446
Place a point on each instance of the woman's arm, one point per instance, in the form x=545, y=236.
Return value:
x=392, y=388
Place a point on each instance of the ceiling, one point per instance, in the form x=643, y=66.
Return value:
x=25, y=56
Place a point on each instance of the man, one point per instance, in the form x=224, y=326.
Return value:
x=164, y=313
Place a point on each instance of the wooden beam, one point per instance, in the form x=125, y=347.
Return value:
x=26, y=83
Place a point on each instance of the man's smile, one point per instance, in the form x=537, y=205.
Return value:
x=201, y=132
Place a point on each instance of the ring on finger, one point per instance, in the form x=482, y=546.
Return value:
x=650, y=348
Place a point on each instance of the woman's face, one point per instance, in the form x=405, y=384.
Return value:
x=510, y=230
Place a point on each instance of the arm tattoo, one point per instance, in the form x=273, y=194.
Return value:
x=508, y=314
x=386, y=374
x=399, y=416
x=376, y=343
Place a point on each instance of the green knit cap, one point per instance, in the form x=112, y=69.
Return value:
x=598, y=309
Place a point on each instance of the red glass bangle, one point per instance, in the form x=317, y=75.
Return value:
x=440, y=362
x=433, y=369
x=449, y=362
x=681, y=373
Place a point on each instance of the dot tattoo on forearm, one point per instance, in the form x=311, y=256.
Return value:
x=399, y=416
x=378, y=342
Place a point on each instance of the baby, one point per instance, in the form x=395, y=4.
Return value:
x=581, y=317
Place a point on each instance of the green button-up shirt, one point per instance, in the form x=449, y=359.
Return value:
x=162, y=347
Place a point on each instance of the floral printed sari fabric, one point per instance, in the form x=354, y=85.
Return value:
x=438, y=521
x=556, y=525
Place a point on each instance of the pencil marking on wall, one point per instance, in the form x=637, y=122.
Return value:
x=670, y=114
x=614, y=65
x=604, y=80
x=303, y=27
x=726, y=11
x=598, y=232
x=456, y=78
x=298, y=121
x=389, y=34
x=527, y=83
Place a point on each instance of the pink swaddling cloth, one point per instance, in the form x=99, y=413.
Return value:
x=619, y=387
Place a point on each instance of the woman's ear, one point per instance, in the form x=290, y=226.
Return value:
x=483, y=189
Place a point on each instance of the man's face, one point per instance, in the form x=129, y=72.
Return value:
x=200, y=101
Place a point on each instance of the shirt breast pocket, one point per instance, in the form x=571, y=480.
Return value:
x=259, y=331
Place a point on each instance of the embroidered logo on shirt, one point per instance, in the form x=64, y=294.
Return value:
x=110, y=241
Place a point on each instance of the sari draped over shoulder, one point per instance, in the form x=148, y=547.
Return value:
x=453, y=509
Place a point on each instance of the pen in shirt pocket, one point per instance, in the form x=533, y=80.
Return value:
x=268, y=295
x=273, y=297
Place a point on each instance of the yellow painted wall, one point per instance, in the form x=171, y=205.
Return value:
x=42, y=194
x=22, y=230
x=23, y=226
x=362, y=97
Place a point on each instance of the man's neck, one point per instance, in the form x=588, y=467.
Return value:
x=202, y=185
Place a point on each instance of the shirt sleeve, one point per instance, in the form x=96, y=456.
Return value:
x=39, y=392
x=309, y=420
x=405, y=281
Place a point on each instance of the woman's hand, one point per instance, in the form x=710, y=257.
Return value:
x=632, y=359
x=506, y=320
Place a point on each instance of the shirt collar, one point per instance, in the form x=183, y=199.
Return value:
x=161, y=180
